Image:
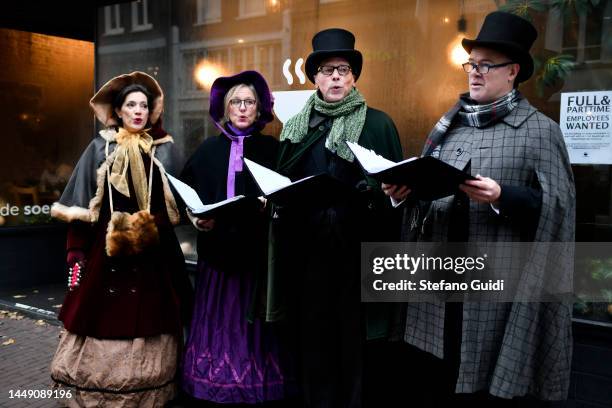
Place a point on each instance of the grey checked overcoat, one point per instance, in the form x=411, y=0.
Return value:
x=512, y=348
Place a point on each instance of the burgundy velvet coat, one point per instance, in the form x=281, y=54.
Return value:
x=128, y=297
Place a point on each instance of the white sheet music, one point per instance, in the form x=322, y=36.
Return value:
x=372, y=162
x=268, y=180
x=188, y=194
x=191, y=198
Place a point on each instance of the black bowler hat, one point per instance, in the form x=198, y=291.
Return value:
x=333, y=42
x=509, y=34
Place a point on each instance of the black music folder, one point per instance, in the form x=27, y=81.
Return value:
x=428, y=178
x=318, y=191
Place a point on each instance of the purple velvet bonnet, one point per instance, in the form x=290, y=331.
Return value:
x=223, y=84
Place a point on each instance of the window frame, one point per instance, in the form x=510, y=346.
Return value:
x=108, y=18
x=243, y=14
x=203, y=18
x=136, y=25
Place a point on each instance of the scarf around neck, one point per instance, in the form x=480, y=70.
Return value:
x=235, y=164
x=475, y=115
x=469, y=113
x=348, y=119
x=128, y=155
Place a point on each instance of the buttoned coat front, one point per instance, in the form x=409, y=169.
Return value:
x=508, y=348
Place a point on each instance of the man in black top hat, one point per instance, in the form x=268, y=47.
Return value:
x=524, y=191
x=318, y=249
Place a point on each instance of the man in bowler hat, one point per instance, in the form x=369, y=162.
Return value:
x=318, y=249
x=486, y=352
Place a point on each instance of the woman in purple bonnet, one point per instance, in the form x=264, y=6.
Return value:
x=232, y=357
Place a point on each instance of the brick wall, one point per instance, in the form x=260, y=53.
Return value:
x=45, y=85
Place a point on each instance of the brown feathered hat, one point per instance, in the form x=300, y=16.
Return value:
x=102, y=101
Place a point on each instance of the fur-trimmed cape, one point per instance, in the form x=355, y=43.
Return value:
x=83, y=195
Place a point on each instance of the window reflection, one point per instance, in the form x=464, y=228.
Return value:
x=412, y=58
x=252, y=8
x=140, y=16
x=112, y=20
x=208, y=11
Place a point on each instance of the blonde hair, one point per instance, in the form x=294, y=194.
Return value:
x=230, y=94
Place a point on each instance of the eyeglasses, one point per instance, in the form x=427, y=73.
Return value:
x=237, y=103
x=327, y=70
x=483, y=68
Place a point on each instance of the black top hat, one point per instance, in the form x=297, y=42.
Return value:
x=333, y=42
x=510, y=35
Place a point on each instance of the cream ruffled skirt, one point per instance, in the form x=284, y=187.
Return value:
x=116, y=373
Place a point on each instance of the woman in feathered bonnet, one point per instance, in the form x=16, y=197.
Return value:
x=128, y=290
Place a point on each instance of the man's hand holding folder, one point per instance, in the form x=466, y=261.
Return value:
x=427, y=178
x=397, y=193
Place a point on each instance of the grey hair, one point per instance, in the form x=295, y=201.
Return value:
x=230, y=94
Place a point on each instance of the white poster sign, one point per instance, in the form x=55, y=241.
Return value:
x=289, y=103
x=585, y=122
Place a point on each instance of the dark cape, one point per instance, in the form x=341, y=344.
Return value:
x=297, y=160
x=231, y=356
x=206, y=172
x=125, y=296
x=314, y=278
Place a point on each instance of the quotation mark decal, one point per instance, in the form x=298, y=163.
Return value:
x=298, y=71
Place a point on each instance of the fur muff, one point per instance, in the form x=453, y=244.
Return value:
x=130, y=234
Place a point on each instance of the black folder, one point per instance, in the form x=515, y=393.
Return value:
x=428, y=178
x=318, y=191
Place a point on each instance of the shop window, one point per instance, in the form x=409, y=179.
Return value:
x=267, y=55
x=191, y=60
x=45, y=84
x=243, y=57
x=586, y=36
x=140, y=16
x=112, y=20
x=251, y=8
x=195, y=130
x=218, y=56
x=412, y=55
x=262, y=57
x=208, y=11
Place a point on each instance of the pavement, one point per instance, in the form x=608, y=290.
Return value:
x=29, y=334
x=27, y=346
x=39, y=302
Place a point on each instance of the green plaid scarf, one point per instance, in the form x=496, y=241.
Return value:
x=348, y=119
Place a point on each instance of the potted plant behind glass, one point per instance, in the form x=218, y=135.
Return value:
x=601, y=273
